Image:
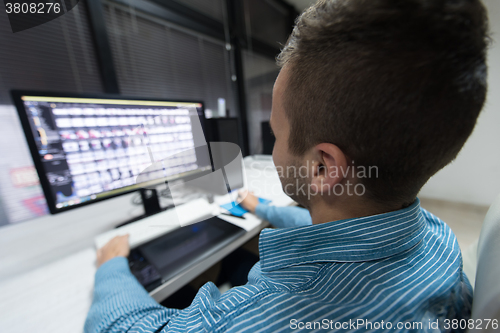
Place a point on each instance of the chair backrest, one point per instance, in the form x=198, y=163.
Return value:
x=486, y=304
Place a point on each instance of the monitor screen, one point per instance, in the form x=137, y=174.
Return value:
x=91, y=148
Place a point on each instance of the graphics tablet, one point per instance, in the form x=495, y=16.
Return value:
x=159, y=260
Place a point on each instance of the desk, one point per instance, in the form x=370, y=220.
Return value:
x=56, y=297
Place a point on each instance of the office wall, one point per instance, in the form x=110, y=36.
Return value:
x=474, y=177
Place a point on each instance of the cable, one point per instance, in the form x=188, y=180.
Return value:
x=136, y=199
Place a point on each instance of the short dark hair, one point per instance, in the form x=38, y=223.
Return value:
x=396, y=84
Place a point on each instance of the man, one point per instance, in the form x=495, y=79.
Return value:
x=389, y=86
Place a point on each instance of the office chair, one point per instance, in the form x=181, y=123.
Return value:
x=486, y=303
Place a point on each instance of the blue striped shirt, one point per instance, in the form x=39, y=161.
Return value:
x=402, y=269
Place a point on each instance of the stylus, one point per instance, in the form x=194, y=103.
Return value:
x=240, y=217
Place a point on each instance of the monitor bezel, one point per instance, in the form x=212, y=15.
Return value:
x=44, y=182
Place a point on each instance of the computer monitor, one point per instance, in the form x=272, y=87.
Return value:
x=87, y=148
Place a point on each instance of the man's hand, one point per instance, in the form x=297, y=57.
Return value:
x=248, y=200
x=117, y=247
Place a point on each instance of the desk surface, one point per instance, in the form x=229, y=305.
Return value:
x=56, y=297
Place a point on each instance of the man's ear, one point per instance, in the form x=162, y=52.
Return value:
x=329, y=167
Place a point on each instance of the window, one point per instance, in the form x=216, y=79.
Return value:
x=212, y=8
x=154, y=58
x=56, y=56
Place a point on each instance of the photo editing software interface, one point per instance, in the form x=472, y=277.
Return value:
x=95, y=148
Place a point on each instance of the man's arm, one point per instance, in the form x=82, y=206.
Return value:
x=119, y=301
x=281, y=217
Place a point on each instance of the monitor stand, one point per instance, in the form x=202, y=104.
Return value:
x=150, y=201
x=151, y=204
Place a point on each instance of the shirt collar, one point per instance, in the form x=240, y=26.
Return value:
x=352, y=240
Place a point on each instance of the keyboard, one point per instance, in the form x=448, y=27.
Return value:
x=159, y=224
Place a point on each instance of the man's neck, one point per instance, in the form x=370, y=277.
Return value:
x=322, y=212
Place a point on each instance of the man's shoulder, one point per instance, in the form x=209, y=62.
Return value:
x=391, y=288
x=439, y=228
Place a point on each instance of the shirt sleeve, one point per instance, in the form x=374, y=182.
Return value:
x=284, y=217
x=120, y=303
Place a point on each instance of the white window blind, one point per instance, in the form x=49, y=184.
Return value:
x=56, y=56
x=154, y=58
x=212, y=8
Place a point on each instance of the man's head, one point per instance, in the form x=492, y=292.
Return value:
x=396, y=85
